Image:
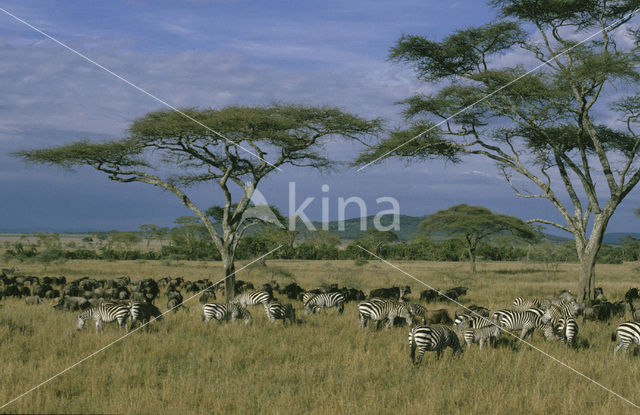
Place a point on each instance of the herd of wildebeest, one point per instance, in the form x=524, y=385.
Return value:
x=432, y=328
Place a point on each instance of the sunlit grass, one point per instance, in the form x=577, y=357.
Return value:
x=323, y=365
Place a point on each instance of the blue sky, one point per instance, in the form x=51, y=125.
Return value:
x=214, y=54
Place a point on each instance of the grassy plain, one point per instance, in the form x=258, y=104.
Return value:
x=323, y=365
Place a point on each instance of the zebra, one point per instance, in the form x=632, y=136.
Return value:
x=522, y=304
x=482, y=335
x=106, y=312
x=568, y=329
x=379, y=309
x=225, y=312
x=514, y=320
x=308, y=296
x=436, y=338
x=470, y=321
x=143, y=312
x=252, y=298
x=318, y=301
x=628, y=332
x=554, y=312
x=416, y=309
x=276, y=311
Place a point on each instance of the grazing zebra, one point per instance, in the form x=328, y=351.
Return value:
x=470, y=321
x=379, y=309
x=318, y=301
x=106, y=312
x=568, y=329
x=515, y=320
x=276, y=311
x=225, y=312
x=143, y=312
x=522, y=304
x=308, y=296
x=416, y=309
x=436, y=338
x=554, y=312
x=627, y=333
x=252, y=298
x=482, y=335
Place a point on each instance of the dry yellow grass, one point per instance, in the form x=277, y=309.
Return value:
x=323, y=365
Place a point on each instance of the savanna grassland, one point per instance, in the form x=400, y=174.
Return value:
x=325, y=364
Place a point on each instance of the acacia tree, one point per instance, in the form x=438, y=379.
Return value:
x=546, y=128
x=170, y=151
x=473, y=224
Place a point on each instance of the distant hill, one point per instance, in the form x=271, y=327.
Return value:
x=352, y=230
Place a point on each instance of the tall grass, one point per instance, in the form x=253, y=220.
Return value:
x=325, y=364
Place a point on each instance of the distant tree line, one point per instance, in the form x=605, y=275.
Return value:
x=187, y=241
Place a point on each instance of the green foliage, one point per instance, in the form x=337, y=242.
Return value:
x=474, y=223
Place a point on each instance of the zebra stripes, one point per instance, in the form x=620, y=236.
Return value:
x=106, y=312
x=627, y=333
x=252, y=298
x=482, y=336
x=378, y=309
x=276, y=311
x=437, y=338
x=522, y=304
x=470, y=321
x=568, y=329
x=225, y=312
x=555, y=312
x=517, y=320
x=324, y=301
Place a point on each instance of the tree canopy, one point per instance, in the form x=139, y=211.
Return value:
x=235, y=146
x=560, y=129
x=473, y=224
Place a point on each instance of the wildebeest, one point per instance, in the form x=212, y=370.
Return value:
x=395, y=293
x=33, y=300
x=440, y=316
x=429, y=295
x=72, y=304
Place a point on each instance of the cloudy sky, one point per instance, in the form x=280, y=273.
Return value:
x=214, y=54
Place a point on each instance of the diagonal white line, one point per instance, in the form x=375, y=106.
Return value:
x=554, y=57
x=133, y=331
x=137, y=87
x=503, y=330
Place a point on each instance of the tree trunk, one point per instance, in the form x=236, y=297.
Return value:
x=587, y=255
x=472, y=260
x=230, y=280
x=228, y=262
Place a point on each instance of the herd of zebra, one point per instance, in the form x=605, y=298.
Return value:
x=554, y=317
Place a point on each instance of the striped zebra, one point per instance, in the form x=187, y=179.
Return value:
x=568, y=329
x=308, y=296
x=482, y=336
x=627, y=333
x=517, y=320
x=324, y=301
x=252, y=298
x=436, y=338
x=416, y=309
x=106, y=312
x=471, y=321
x=554, y=312
x=379, y=309
x=225, y=312
x=548, y=329
x=523, y=304
x=276, y=311
x=143, y=312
